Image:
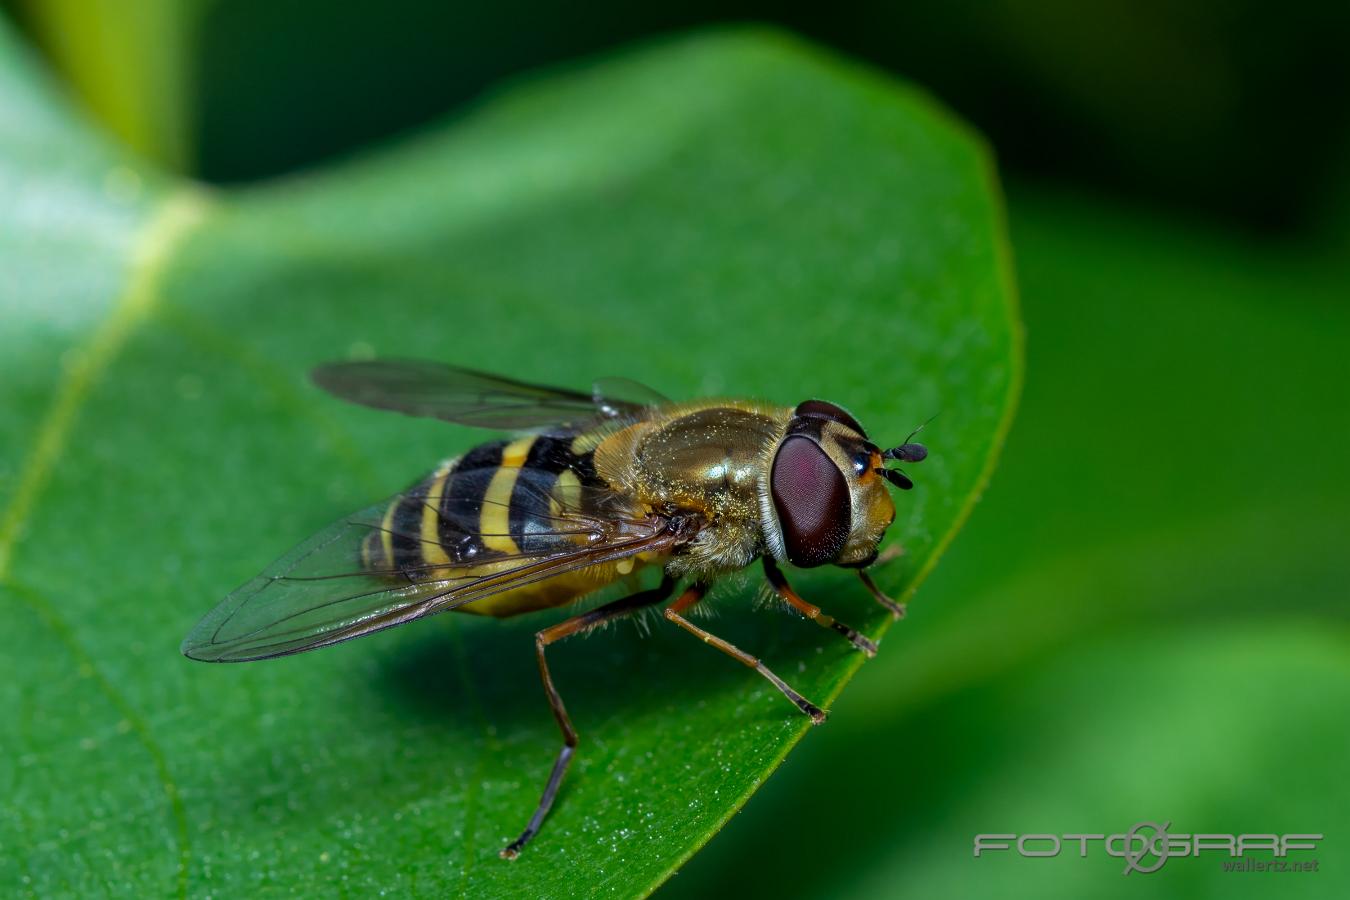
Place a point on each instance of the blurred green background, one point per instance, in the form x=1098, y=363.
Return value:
x=1146, y=617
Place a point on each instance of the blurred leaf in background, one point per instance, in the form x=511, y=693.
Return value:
x=131, y=64
x=1234, y=107
x=734, y=213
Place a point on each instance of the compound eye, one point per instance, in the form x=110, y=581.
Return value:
x=812, y=501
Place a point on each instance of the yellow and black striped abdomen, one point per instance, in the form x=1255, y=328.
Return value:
x=491, y=510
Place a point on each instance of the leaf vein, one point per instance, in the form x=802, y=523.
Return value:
x=154, y=247
x=176, y=217
x=50, y=614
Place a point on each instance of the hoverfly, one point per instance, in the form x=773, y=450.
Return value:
x=599, y=486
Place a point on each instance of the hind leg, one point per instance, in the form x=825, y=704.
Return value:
x=554, y=633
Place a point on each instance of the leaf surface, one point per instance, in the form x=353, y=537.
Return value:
x=730, y=214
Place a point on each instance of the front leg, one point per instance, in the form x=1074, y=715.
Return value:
x=897, y=609
x=812, y=612
x=894, y=551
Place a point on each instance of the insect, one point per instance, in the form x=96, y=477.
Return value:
x=600, y=485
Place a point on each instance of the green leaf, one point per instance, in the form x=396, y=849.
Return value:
x=729, y=214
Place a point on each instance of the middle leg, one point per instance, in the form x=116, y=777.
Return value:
x=675, y=613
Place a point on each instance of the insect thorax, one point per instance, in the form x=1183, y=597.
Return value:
x=709, y=459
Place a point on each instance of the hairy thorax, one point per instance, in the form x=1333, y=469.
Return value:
x=709, y=459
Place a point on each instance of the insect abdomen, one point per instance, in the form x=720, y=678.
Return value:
x=476, y=514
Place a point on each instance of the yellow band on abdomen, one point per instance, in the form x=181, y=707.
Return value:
x=432, y=551
x=496, y=516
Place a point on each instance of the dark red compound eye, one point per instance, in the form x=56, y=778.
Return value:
x=811, y=497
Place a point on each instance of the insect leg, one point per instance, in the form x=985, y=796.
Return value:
x=897, y=609
x=694, y=594
x=575, y=625
x=811, y=611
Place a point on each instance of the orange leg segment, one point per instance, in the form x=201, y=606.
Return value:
x=813, y=612
x=575, y=625
x=695, y=593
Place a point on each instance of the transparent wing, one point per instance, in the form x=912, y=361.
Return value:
x=330, y=589
x=440, y=391
x=616, y=397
